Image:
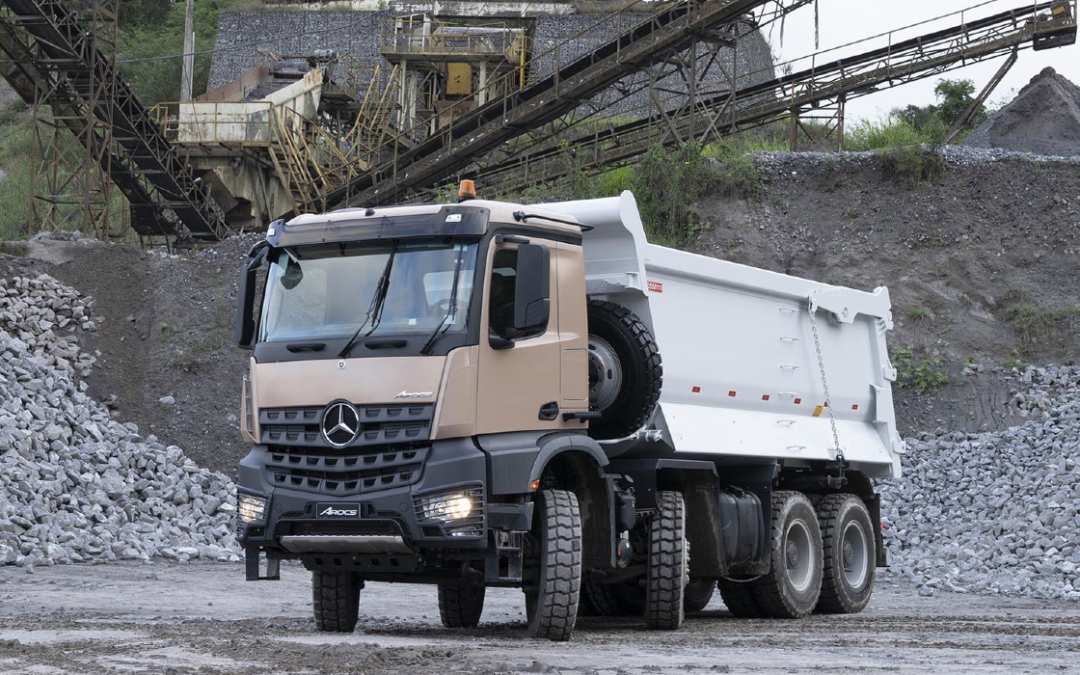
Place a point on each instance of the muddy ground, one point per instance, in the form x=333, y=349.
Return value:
x=205, y=619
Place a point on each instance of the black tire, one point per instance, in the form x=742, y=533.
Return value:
x=460, y=604
x=666, y=578
x=739, y=598
x=624, y=599
x=849, y=554
x=553, y=604
x=791, y=588
x=337, y=600
x=698, y=594
x=639, y=365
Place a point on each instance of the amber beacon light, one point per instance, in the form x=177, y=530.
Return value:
x=466, y=191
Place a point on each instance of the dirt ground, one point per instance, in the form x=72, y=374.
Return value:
x=206, y=619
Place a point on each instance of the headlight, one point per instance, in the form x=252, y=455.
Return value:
x=446, y=508
x=250, y=509
x=460, y=512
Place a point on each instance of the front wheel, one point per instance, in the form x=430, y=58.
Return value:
x=551, y=601
x=666, y=580
x=336, y=598
x=460, y=604
x=847, y=535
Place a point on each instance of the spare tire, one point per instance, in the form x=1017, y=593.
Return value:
x=625, y=373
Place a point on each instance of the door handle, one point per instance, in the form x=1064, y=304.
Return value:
x=549, y=411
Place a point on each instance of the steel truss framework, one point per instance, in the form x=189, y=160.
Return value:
x=820, y=91
x=67, y=57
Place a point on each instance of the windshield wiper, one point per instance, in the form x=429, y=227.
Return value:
x=451, y=311
x=377, y=299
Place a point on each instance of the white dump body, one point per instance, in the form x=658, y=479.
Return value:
x=741, y=370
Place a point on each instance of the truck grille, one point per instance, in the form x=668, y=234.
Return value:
x=344, y=475
x=379, y=425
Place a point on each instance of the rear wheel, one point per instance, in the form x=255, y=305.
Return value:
x=739, y=598
x=697, y=595
x=625, y=373
x=336, y=598
x=849, y=554
x=620, y=599
x=460, y=604
x=791, y=588
x=666, y=579
x=551, y=601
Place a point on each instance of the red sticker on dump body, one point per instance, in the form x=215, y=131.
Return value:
x=656, y=287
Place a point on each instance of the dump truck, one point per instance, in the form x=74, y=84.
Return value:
x=483, y=394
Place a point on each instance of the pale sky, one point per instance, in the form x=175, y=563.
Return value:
x=844, y=21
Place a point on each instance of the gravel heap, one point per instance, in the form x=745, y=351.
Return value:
x=76, y=485
x=994, y=513
x=1044, y=119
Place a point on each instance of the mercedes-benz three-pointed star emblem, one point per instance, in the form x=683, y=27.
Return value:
x=340, y=424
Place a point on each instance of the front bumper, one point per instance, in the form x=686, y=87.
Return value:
x=357, y=504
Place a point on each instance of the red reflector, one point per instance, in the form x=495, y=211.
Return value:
x=881, y=527
x=826, y=404
x=696, y=390
x=764, y=397
x=855, y=407
x=798, y=401
x=731, y=393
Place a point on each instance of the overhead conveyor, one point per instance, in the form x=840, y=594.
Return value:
x=1040, y=26
x=48, y=48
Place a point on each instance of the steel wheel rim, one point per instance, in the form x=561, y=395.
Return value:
x=605, y=373
x=799, y=555
x=854, y=556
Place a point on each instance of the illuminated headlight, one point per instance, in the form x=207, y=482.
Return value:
x=446, y=508
x=460, y=512
x=250, y=509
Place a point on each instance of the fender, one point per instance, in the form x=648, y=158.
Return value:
x=557, y=443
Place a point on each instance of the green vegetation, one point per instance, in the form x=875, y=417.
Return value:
x=890, y=132
x=667, y=181
x=154, y=28
x=912, y=164
x=919, y=314
x=16, y=140
x=1014, y=361
x=918, y=370
x=1038, y=326
x=934, y=121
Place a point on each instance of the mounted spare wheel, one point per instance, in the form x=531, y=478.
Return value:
x=625, y=373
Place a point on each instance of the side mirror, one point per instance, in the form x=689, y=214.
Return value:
x=245, y=299
x=532, y=296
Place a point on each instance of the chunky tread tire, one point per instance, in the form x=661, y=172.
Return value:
x=460, y=604
x=337, y=600
x=614, y=599
x=643, y=372
x=553, y=607
x=740, y=599
x=666, y=578
x=698, y=594
x=775, y=592
x=837, y=594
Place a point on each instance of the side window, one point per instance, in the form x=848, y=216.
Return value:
x=503, y=289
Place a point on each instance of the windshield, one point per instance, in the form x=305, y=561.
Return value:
x=326, y=291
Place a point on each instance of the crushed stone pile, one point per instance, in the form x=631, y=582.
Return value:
x=1044, y=119
x=997, y=512
x=76, y=485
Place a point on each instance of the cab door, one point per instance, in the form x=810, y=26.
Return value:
x=519, y=387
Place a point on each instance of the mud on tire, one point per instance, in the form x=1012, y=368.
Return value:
x=460, y=604
x=336, y=597
x=666, y=578
x=617, y=334
x=791, y=588
x=849, y=554
x=553, y=604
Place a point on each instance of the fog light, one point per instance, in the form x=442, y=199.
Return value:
x=250, y=509
x=446, y=507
